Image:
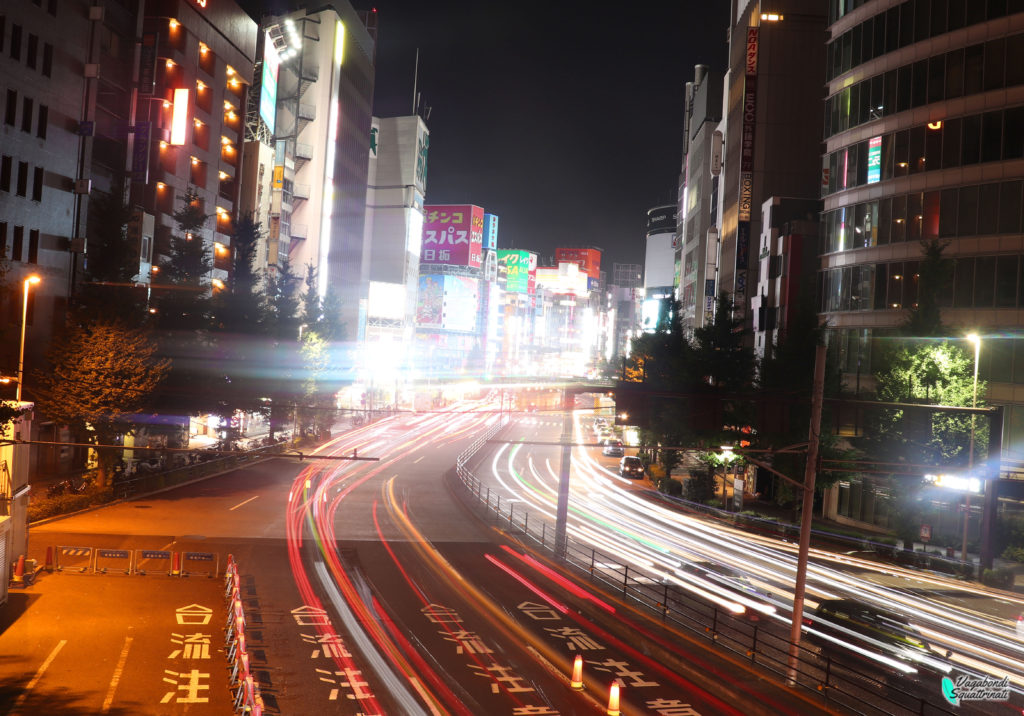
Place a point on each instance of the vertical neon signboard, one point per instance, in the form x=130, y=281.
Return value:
x=874, y=160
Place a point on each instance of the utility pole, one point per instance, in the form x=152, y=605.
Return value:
x=810, y=474
x=562, y=511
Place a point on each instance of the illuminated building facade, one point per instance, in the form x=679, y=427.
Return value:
x=659, y=264
x=697, y=211
x=924, y=132
x=324, y=94
x=394, y=221
x=195, y=70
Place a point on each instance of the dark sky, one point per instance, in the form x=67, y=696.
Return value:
x=565, y=119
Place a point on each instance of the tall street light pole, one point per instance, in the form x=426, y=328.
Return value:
x=24, y=319
x=976, y=340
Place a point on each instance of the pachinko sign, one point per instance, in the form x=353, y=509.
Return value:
x=453, y=234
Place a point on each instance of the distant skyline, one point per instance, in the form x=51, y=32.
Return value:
x=567, y=123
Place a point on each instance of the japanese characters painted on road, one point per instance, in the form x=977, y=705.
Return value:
x=187, y=684
x=453, y=235
x=344, y=678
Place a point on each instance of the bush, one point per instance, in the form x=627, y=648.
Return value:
x=40, y=508
x=1014, y=554
x=700, y=487
x=670, y=487
x=1001, y=578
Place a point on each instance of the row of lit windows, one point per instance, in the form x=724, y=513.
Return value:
x=34, y=56
x=973, y=282
x=976, y=210
x=905, y=24
x=963, y=72
x=962, y=141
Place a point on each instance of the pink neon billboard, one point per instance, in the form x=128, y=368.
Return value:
x=453, y=234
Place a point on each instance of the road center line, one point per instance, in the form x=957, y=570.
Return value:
x=418, y=459
x=243, y=503
x=39, y=674
x=116, y=678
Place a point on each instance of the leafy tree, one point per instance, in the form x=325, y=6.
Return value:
x=99, y=375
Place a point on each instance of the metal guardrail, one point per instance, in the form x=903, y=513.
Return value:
x=852, y=690
x=151, y=482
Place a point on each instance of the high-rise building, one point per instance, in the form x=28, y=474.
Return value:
x=696, y=239
x=195, y=70
x=924, y=131
x=659, y=263
x=394, y=221
x=322, y=123
x=772, y=127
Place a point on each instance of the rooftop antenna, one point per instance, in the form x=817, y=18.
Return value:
x=415, y=79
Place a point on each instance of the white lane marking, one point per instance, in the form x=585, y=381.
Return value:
x=39, y=674
x=243, y=503
x=418, y=459
x=116, y=678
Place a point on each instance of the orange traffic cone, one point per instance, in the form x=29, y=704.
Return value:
x=613, y=699
x=19, y=571
x=577, y=673
x=49, y=559
x=176, y=565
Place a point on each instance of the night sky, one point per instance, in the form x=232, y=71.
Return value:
x=565, y=122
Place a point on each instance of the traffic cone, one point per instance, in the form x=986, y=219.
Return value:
x=176, y=565
x=613, y=699
x=48, y=565
x=577, y=673
x=19, y=571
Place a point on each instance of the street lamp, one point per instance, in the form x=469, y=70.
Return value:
x=24, y=319
x=976, y=340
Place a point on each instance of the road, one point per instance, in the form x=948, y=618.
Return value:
x=629, y=524
x=368, y=588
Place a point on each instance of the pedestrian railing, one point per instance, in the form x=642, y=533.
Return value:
x=764, y=644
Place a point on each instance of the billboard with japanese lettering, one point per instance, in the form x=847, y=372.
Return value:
x=490, y=231
x=516, y=265
x=453, y=234
x=589, y=260
x=430, y=301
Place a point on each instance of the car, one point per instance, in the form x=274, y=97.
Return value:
x=631, y=466
x=613, y=448
x=735, y=581
x=852, y=631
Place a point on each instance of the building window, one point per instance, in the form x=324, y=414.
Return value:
x=22, y=178
x=16, y=42
x=33, y=246
x=42, y=121
x=26, y=114
x=51, y=7
x=37, y=184
x=11, y=112
x=3, y=31
x=33, y=51
x=5, y=173
x=19, y=238
x=47, y=59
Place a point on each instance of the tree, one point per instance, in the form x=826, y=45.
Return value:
x=189, y=261
x=281, y=314
x=109, y=288
x=99, y=375
x=935, y=275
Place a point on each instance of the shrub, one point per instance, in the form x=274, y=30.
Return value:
x=670, y=486
x=1001, y=578
x=40, y=508
x=1014, y=554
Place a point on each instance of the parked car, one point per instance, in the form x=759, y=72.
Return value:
x=631, y=466
x=613, y=448
x=852, y=631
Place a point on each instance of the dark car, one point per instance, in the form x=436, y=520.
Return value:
x=613, y=448
x=756, y=601
x=631, y=466
x=881, y=640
